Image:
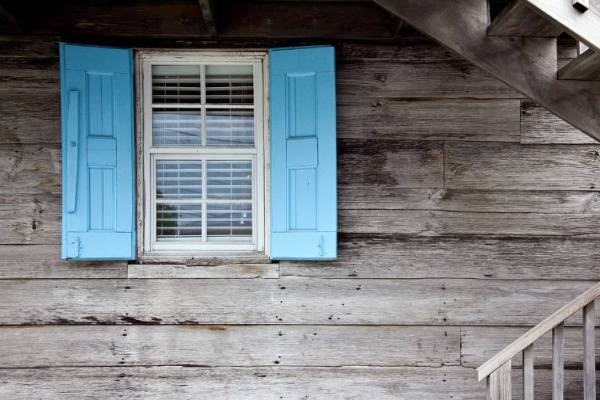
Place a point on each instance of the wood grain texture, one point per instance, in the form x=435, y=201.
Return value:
x=31, y=116
x=39, y=73
x=267, y=383
x=30, y=219
x=499, y=383
x=43, y=261
x=29, y=169
x=444, y=223
x=384, y=196
x=540, y=126
x=283, y=301
x=480, y=343
x=408, y=257
x=219, y=345
x=510, y=166
x=399, y=164
x=445, y=119
x=223, y=270
x=416, y=79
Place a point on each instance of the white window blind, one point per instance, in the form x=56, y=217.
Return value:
x=203, y=157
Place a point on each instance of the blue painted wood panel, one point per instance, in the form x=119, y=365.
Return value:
x=303, y=153
x=98, y=153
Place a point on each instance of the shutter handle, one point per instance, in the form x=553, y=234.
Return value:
x=72, y=155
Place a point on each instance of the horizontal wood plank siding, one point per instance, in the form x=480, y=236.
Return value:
x=466, y=214
x=220, y=345
x=283, y=301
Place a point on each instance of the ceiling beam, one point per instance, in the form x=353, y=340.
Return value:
x=208, y=13
x=8, y=21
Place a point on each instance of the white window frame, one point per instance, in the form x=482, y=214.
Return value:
x=148, y=155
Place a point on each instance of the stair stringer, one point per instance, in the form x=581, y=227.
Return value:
x=529, y=65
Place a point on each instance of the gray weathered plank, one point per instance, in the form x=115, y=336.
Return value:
x=407, y=257
x=29, y=168
x=511, y=166
x=403, y=164
x=221, y=345
x=30, y=116
x=558, y=361
x=423, y=79
x=266, y=383
x=438, y=119
x=28, y=46
x=43, y=261
x=28, y=73
x=261, y=383
x=540, y=126
x=283, y=301
x=444, y=223
x=528, y=373
x=224, y=270
x=30, y=219
x=392, y=197
x=480, y=343
x=499, y=383
x=589, y=352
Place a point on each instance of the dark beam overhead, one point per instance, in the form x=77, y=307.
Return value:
x=8, y=21
x=208, y=13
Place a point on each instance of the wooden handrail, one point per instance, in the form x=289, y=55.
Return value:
x=536, y=332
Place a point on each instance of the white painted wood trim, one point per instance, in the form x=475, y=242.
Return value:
x=148, y=246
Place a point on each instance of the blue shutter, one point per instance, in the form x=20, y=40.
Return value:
x=303, y=153
x=97, y=152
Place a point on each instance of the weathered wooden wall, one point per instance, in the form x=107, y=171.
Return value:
x=467, y=214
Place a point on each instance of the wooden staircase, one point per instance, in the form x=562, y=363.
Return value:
x=519, y=47
x=497, y=370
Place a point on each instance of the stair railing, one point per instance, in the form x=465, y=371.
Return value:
x=497, y=370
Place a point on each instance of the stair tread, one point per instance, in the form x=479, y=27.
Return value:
x=586, y=67
x=518, y=19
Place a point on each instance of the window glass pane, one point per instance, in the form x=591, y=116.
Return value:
x=229, y=127
x=174, y=127
x=176, y=84
x=229, y=220
x=177, y=179
x=178, y=220
x=229, y=84
x=231, y=180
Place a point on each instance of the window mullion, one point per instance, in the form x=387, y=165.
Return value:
x=204, y=202
x=203, y=103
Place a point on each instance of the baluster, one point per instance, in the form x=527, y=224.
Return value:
x=558, y=361
x=499, y=383
x=589, y=353
x=528, y=381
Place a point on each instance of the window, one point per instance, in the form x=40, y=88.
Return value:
x=203, y=147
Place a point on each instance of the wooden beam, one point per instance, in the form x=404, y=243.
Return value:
x=517, y=19
x=586, y=67
x=583, y=26
x=208, y=13
x=526, y=64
